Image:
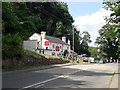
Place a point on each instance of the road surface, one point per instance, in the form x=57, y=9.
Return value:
x=71, y=76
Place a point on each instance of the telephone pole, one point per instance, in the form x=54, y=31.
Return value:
x=73, y=44
x=73, y=40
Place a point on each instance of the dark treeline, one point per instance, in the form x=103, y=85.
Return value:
x=30, y=17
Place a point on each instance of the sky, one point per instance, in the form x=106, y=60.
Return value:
x=88, y=16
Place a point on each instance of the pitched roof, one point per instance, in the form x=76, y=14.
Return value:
x=55, y=40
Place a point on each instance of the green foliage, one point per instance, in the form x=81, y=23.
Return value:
x=114, y=17
x=58, y=31
x=109, y=45
x=109, y=40
x=24, y=17
x=30, y=17
x=9, y=19
x=12, y=46
x=93, y=51
x=77, y=42
x=84, y=40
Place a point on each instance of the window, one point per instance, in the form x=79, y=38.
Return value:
x=57, y=48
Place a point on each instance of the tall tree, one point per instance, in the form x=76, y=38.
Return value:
x=114, y=18
x=84, y=40
x=109, y=46
x=109, y=39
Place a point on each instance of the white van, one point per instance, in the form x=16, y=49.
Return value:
x=91, y=60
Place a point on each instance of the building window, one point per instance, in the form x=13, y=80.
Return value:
x=57, y=48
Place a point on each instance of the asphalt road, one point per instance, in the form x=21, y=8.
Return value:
x=72, y=76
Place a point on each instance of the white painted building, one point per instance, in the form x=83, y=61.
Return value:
x=48, y=45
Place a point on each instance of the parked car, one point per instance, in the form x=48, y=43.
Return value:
x=101, y=61
x=92, y=61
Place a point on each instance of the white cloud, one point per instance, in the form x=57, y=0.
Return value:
x=92, y=23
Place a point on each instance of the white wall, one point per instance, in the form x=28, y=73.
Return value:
x=35, y=36
x=30, y=45
x=47, y=52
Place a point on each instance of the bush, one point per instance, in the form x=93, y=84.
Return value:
x=12, y=46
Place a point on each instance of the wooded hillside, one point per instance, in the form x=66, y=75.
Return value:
x=21, y=19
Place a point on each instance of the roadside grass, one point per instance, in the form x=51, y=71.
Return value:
x=43, y=55
x=34, y=53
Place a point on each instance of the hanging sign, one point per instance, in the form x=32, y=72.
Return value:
x=47, y=43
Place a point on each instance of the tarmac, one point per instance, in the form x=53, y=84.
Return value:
x=113, y=84
x=35, y=69
x=115, y=80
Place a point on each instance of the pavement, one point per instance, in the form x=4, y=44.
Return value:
x=71, y=76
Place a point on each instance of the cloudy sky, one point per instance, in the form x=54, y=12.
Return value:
x=88, y=16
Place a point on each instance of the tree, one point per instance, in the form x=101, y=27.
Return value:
x=34, y=17
x=84, y=40
x=109, y=46
x=59, y=28
x=109, y=40
x=30, y=17
x=114, y=18
x=9, y=19
x=93, y=51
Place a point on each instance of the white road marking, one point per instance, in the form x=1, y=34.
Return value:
x=42, y=83
x=39, y=85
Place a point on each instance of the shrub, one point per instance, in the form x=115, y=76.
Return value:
x=12, y=46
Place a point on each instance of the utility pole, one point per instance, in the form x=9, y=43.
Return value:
x=73, y=44
x=73, y=39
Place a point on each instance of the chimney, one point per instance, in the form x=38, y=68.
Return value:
x=64, y=39
x=68, y=41
x=43, y=34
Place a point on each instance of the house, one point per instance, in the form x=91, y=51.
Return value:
x=48, y=45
